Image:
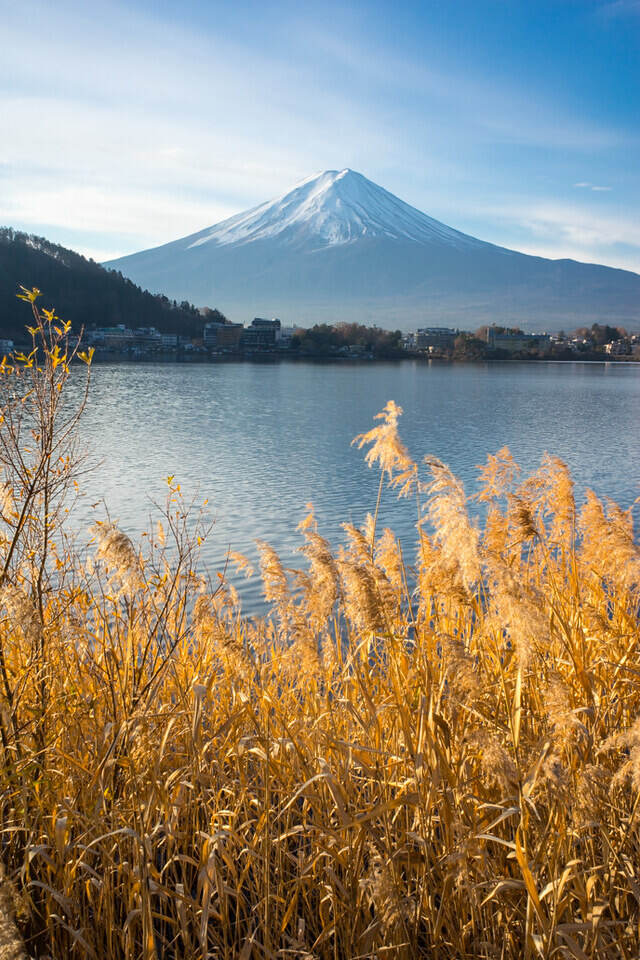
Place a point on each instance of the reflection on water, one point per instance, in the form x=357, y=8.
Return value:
x=259, y=441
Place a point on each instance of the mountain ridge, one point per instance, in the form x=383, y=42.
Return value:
x=82, y=291
x=338, y=246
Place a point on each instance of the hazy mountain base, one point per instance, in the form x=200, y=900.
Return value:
x=399, y=285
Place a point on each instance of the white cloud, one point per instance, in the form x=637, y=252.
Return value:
x=503, y=113
x=151, y=137
x=592, y=186
x=565, y=251
x=561, y=230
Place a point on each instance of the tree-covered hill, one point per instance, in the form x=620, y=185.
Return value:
x=80, y=290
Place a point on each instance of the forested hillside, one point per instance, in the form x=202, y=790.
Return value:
x=81, y=290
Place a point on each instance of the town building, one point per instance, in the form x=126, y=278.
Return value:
x=515, y=341
x=261, y=335
x=440, y=338
x=147, y=336
x=113, y=338
x=618, y=348
x=286, y=336
x=222, y=336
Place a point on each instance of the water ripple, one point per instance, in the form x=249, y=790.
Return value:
x=259, y=441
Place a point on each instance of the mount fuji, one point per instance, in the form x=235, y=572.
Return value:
x=339, y=247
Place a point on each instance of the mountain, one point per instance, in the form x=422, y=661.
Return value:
x=339, y=247
x=81, y=291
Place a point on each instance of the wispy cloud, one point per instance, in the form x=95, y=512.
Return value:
x=140, y=130
x=592, y=186
x=562, y=230
x=483, y=105
x=621, y=8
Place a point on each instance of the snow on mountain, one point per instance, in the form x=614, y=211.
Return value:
x=334, y=207
x=339, y=247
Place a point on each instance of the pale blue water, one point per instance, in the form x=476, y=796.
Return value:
x=261, y=440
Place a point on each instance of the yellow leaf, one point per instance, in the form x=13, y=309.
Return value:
x=527, y=876
x=29, y=296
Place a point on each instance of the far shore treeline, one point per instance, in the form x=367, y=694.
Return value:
x=90, y=296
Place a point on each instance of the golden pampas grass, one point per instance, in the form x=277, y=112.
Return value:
x=438, y=758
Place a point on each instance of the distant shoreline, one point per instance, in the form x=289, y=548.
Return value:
x=349, y=361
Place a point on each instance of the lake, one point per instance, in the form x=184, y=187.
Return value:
x=261, y=440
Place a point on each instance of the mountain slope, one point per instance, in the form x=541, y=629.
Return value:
x=333, y=208
x=339, y=247
x=81, y=291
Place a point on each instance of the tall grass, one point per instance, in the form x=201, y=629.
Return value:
x=430, y=752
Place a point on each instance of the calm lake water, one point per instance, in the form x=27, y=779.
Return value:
x=260, y=440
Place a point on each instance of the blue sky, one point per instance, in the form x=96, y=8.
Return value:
x=125, y=125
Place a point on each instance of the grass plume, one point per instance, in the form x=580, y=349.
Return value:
x=428, y=755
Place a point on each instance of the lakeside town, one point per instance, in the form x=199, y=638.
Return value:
x=269, y=338
x=221, y=339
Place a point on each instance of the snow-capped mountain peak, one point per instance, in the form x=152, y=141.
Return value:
x=334, y=207
x=340, y=248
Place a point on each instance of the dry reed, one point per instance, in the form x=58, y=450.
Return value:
x=439, y=759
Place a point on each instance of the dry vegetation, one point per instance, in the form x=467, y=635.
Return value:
x=434, y=755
